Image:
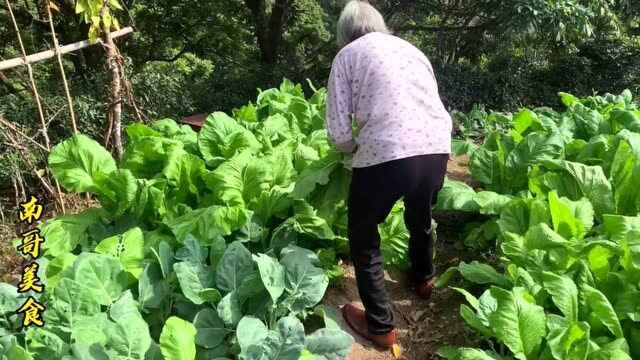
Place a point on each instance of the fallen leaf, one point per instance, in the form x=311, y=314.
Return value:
x=53, y=6
x=396, y=351
x=416, y=315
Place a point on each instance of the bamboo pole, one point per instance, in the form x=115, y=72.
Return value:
x=56, y=49
x=34, y=88
x=64, y=49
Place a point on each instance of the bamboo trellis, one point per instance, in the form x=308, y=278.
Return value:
x=14, y=135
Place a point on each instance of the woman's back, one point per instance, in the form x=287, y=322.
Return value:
x=390, y=87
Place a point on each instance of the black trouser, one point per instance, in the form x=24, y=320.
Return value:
x=373, y=192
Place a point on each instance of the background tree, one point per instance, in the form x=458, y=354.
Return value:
x=190, y=56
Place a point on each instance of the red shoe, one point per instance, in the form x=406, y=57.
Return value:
x=357, y=320
x=425, y=289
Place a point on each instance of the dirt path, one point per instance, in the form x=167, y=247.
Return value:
x=423, y=326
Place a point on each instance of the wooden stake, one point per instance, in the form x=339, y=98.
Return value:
x=34, y=88
x=62, y=73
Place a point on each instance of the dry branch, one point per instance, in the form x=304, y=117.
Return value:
x=11, y=136
x=43, y=122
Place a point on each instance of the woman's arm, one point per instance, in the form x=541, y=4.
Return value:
x=339, y=109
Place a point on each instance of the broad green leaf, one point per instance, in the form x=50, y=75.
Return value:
x=222, y=136
x=251, y=332
x=308, y=222
x=137, y=130
x=103, y=276
x=210, y=329
x=330, y=316
x=64, y=233
x=152, y=287
x=130, y=337
x=603, y=309
x=625, y=173
x=564, y=294
x=542, y=237
x=70, y=300
x=564, y=220
x=88, y=352
x=518, y=322
x=178, y=340
x=192, y=251
x=193, y=279
x=456, y=195
x=234, y=266
x=482, y=274
x=154, y=352
x=472, y=319
x=569, y=342
x=208, y=223
x=147, y=156
x=117, y=190
x=124, y=304
x=588, y=121
x=329, y=344
x=246, y=113
x=474, y=354
x=487, y=167
x=218, y=247
x=472, y=300
x=625, y=119
x=621, y=228
x=462, y=147
x=229, y=309
x=89, y=330
x=59, y=267
x=165, y=257
x=616, y=350
x=625, y=231
x=128, y=248
x=184, y=174
x=75, y=161
x=584, y=181
x=446, y=277
x=10, y=299
x=394, y=243
x=45, y=344
x=272, y=275
x=491, y=203
x=240, y=179
x=151, y=203
x=283, y=236
x=211, y=295
x=252, y=231
x=310, y=255
x=17, y=352
x=521, y=214
x=304, y=283
x=534, y=148
x=272, y=202
x=314, y=174
x=285, y=343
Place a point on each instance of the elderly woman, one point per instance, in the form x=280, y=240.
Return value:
x=401, y=151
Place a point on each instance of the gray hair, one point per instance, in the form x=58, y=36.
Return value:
x=358, y=19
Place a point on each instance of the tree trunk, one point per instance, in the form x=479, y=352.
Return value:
x=269, y=33
x=114, y=110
